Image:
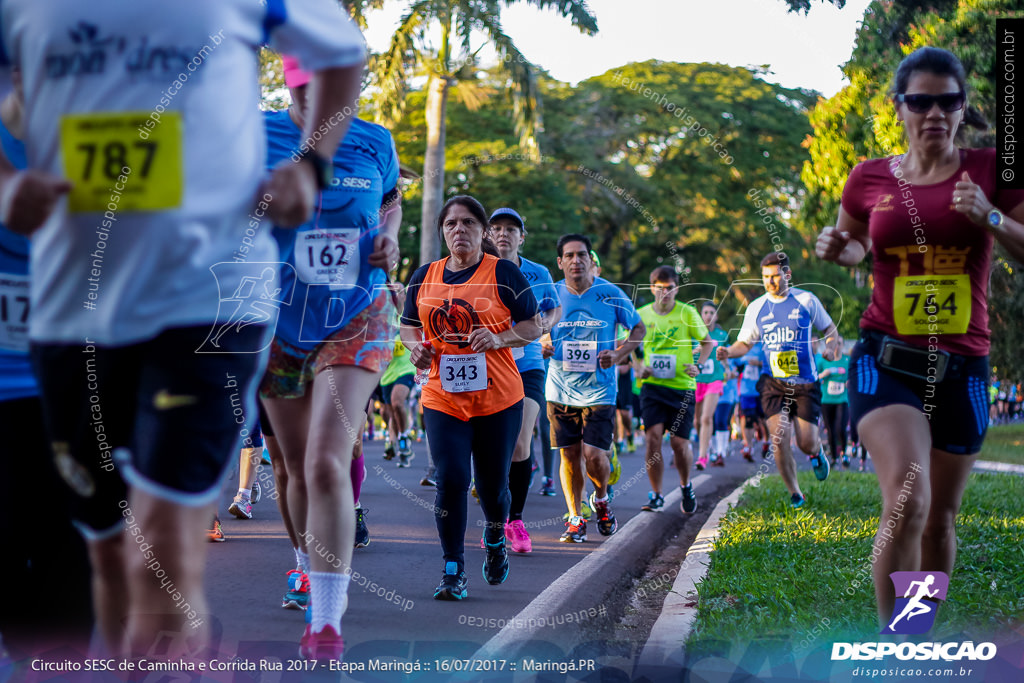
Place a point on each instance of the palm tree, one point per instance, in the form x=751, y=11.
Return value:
x=454, y=61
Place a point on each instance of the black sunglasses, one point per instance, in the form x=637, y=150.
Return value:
x=922, y=104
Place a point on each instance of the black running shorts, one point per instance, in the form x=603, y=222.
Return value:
x=570, y=425
x=673, y=408
x=777, y=397
x=956, y=407
x=156, y=415
x=533, y=385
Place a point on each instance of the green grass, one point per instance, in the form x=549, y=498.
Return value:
x=1004, y=443
x=778, y=573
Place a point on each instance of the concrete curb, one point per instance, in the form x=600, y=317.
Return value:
x=679, y=611
x=1004, y=467
x=585, y=584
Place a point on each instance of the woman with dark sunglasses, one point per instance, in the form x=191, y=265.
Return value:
x=918, y=375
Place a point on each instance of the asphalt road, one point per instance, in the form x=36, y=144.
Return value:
x=396, y=616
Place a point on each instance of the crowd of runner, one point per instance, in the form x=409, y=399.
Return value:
x=148, y=392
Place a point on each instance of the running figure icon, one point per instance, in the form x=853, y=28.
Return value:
x=918, y=595
x=915, y=606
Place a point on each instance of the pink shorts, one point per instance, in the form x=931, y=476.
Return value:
x=709, y=388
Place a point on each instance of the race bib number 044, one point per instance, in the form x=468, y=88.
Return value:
x=464, y=372
x=579, y=356
x=784, y=363
x=109, y=163
x=932, y=304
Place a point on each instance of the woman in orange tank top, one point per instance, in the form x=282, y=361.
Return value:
x=457, y=323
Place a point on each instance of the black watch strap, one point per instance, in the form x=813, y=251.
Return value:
x=323, y=169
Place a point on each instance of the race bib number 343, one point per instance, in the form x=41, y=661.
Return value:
x=110, y=163
x=463, y=372
x=932, y=304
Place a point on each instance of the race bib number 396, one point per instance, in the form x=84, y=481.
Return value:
x=932, y=304
x=579, y=356
x=112, y=165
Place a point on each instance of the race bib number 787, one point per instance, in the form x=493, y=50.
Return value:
x=112, y=165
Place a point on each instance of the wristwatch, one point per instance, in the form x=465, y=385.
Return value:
x=995, y=219
x=323, y=169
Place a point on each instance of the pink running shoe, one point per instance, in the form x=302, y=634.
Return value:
x=327, y=645
x=517, y=536
x=702, y=462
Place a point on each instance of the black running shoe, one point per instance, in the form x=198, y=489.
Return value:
x=496, y=563
x=453, y=584
x=389, y=451
x=362, y=533
x=575, y=530
x=689, y=502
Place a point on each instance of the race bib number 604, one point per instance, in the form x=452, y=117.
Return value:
x=113, y=167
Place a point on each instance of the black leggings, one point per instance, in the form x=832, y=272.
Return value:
x=836, y=416
x=488, y=442
x=544, y=432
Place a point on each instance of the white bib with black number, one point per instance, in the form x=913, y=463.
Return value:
x=663, y=365
x=14, y=312
x=750, y=372
x=707, y=367
x=579, y=356
x=328, y=256
x=836, y=388
x=464, y=372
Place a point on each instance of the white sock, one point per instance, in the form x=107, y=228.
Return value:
x=303, y=559
x=722, y=441
x=329, y=592
x=600, y=500
x=245, y=494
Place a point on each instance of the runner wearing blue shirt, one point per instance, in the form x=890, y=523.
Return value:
x=334, y=339
x=749, y=368
x=724, y=408
x=145, y=181
x=508, y=232
x=782, y=319
x=55, y=561
x=581, y=383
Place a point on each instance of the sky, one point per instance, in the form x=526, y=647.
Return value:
x=800, y=51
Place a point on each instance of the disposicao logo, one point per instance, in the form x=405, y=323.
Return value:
x=917, y=599
x=921, y=593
